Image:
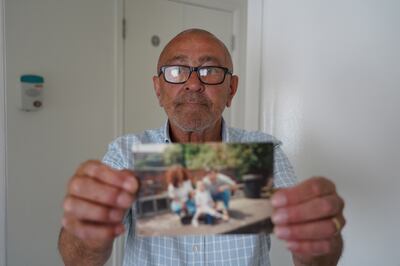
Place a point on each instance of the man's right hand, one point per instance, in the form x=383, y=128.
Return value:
x=96, y=201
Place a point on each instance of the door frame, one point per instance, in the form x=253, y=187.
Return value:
x=3, y=143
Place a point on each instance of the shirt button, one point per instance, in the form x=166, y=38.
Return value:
x=195, y=248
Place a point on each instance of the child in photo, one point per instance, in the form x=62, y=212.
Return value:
x=204, y=204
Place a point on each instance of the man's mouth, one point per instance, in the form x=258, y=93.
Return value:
x=192, y=103
x=192, y=100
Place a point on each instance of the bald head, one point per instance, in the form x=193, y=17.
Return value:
x=190, y=39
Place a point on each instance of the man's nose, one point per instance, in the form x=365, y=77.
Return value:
x=194, y=83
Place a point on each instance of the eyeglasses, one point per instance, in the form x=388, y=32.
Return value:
x=209, y=75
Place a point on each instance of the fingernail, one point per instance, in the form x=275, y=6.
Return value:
x=278, y=200
x=129, y=184
x=292, y=245
x=124, y=200
x=279, y=217
x=115, y=215
x=282, y=232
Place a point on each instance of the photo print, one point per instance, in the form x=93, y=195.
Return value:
x=201, y=189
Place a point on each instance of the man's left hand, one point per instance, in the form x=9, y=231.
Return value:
x=309, y=217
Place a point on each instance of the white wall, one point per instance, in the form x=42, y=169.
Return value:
x=2, y=144
x=71, y=43
x=331, y=79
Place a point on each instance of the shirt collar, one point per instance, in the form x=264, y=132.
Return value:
x=224, y=132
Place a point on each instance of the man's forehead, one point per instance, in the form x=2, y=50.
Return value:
x=200, y=47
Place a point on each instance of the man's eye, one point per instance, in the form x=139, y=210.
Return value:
x=206, y=71
x=175, y=72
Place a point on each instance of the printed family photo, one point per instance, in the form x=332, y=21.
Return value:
x=210, y=188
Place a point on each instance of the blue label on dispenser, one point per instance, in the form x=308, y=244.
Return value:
x=32, y=79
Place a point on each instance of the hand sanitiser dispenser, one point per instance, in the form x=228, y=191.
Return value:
x=32, y=92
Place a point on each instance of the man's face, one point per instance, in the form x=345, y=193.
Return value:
x=194, y=106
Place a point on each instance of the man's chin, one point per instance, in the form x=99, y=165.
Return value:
x=192, y=124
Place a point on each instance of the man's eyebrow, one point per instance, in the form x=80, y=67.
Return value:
x=209, y=58
x=177, y=58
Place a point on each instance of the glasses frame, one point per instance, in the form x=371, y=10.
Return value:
x=194, y=69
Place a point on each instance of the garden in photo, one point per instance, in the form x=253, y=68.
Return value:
x=209, y=188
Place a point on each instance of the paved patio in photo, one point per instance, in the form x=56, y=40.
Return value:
x=247, y=216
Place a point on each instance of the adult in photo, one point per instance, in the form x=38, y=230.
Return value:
x=180, y=191
x=221, y=187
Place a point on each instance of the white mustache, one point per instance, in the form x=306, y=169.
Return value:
x=192, y=97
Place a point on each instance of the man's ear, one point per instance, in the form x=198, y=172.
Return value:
x=232, y=89
x=157, y=88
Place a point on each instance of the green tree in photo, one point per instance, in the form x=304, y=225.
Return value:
x=206, y=156
x=173, y=154
x=243, y=158
x=252, y=157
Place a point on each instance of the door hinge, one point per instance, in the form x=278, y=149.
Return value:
x=233, y=40
x=124, y=28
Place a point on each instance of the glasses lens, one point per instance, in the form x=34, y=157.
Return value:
x=211, y=75
x=176, y=74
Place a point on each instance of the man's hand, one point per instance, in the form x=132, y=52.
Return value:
x=96, y=201
x=309, y=217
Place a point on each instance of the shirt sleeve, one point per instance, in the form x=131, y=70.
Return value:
x=225, y=179
x=115, y=156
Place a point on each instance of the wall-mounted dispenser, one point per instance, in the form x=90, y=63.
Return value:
x=31, y=92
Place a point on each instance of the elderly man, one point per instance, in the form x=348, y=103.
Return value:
x=194, y=84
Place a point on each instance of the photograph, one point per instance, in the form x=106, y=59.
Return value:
x=202, y=189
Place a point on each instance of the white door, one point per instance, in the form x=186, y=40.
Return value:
x=158, y=19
